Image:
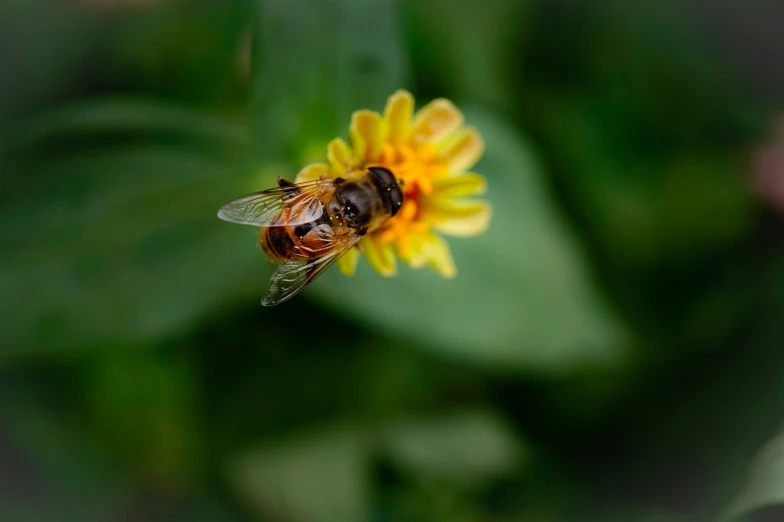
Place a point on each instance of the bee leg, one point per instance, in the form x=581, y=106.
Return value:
x=288, y=187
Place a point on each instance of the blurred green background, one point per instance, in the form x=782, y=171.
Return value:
x=611, y=349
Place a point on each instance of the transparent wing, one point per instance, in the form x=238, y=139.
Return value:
x=292, y=276
x=260, y=207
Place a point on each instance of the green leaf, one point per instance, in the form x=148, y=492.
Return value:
x=195, y=51
x=314, y=62
x=320, y=478
x=123, y=116
x=116, y=238
x=765, y=484
x=150, y=429
x=63, y=468
x=646, y=134
x=465, y=447
x=34, y=71
x=647, y=206
x=524, y=295
x=466, y=46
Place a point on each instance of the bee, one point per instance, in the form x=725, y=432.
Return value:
x=308, y=226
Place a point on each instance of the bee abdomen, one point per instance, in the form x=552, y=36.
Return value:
x=277, y=244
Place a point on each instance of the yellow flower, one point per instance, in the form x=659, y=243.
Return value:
x=429, y=152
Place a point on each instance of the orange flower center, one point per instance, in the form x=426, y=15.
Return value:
x=415, y=168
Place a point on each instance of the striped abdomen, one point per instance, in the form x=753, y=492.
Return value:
x=291, y=242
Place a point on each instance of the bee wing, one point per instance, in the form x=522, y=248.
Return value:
x=260, y=207
x=292, y=276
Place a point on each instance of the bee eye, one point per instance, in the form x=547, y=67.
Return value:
x=395, y=199
x=388, y=186
x=384, y=175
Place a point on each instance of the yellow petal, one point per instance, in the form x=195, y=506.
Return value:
x=414, y=254
x=339, y=156
x=439, y=257
x=462, y=218
x=435, y=121
x=380, y=257
x=403, y=244
x=348, y=263
x=313, y=172
x=406, y=152
x=463, y=150
x=397, y=116
x=366, y=136
x=388, y=154
x=458, y=186
x=426, y=153
x=425, y=185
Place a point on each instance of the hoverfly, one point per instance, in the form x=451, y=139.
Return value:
x=308, y=226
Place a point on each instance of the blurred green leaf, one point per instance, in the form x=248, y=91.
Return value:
x=115, y=234
x=124, y=116
x=193, y=50
x=314, y=62
x=765, y=483
x=322, y=477
x=33, y=68
x=142, y=411
x=523, y=297
x=470, y=48
x=65, y=470
x=645, y=207
x=646, y=134
x=465, y=447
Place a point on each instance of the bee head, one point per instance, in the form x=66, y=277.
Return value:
x=388, y=187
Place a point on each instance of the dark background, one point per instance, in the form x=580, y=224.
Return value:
x=611, y=349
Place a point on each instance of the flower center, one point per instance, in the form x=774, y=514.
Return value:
x=415, y=169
